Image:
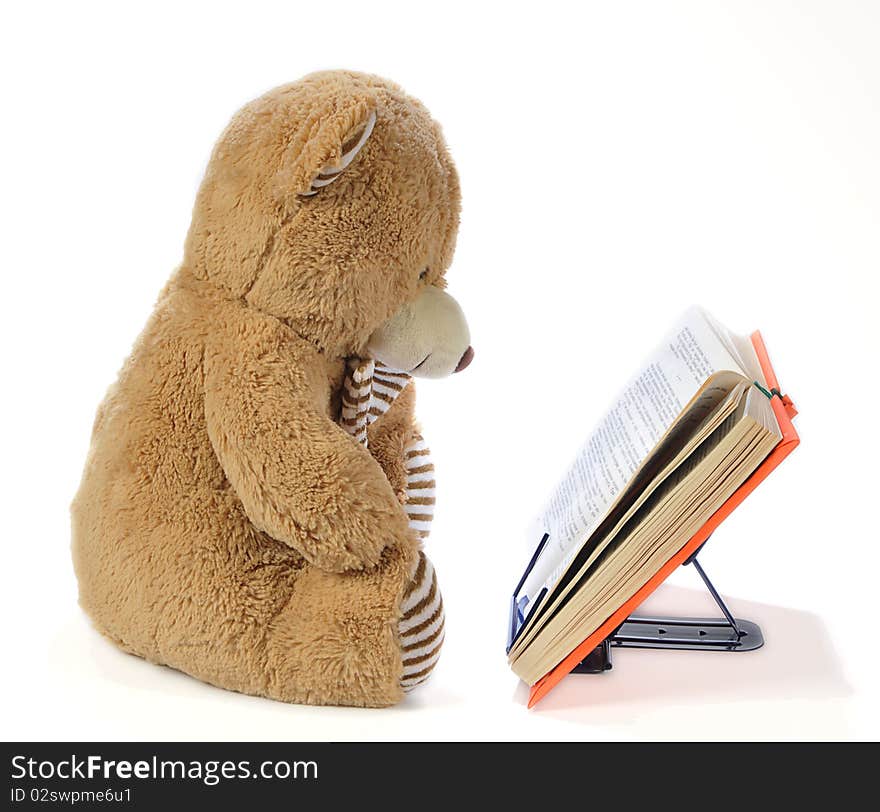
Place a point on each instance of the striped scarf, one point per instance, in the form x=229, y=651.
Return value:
x=368, y=391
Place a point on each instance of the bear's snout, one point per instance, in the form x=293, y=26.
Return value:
x=428, y=337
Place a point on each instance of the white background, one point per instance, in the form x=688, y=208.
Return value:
x=618, y=162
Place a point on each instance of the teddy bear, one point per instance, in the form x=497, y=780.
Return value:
x=256, y=494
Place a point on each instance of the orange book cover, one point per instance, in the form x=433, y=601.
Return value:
x=785, y=411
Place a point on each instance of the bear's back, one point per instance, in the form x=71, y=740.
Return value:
x=149, y=439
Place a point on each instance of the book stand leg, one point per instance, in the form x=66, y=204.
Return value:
x=696, y=634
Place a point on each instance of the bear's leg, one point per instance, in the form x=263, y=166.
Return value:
x=236, y=609
x=337, y=640
x=421, y=626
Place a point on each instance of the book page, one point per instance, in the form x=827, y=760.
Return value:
x=741, y=348
x=641, y=416
x=676, y=511
x=717, y=399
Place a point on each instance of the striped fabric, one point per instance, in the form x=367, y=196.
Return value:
x=368, y=391
x=421, y=626
x=420, y=486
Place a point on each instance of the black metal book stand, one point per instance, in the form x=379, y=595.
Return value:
x=726, y=633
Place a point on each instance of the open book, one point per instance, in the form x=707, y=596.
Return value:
x=684, y=436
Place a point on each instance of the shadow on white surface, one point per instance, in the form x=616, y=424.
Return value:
x=797, y=661
x=792, y=688
x=86, y=657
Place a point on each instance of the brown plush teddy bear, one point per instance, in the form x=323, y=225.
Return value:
x=253, y=500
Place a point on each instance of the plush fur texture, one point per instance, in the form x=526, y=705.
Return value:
x=225, y=524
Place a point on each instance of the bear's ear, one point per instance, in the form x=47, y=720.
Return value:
x=324, y=147
x=349, y=150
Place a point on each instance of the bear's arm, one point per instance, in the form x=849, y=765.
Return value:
x=390, y=434
x=299, y=476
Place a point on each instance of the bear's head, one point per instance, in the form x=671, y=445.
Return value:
x=332, y=204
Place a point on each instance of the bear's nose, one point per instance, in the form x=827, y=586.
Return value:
x=465, y=359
